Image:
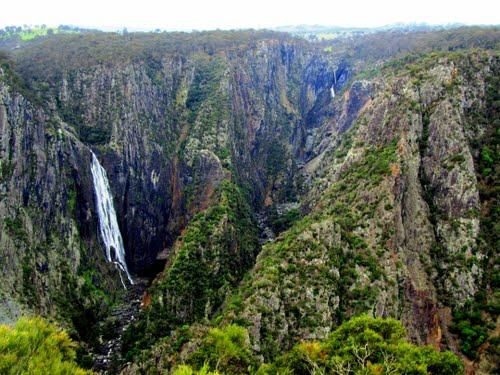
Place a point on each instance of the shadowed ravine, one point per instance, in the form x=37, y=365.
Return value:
x=108, y=355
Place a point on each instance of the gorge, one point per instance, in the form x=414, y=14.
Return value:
x=253, y=187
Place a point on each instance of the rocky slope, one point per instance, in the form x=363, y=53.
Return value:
x=385, y=174
x=393, y=216
x=375, y=238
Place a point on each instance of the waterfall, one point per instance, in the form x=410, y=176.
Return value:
x=332, y=92
x=108, y=224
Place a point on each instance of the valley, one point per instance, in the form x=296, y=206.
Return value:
x=245, y=201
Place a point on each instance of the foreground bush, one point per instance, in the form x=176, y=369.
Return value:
x=188, y=370
x=362, y=345
x=225, y=349
x=34, y=346
x=365, y=345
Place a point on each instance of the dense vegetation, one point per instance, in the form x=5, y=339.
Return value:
x=34, y=346
x=361, y=345
x=364, y=345
x=391, y=44
x=46, y=58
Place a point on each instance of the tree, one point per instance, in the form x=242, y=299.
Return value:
x=34, y=346
x=188, y=370
x=225, y=349
x=365, y=345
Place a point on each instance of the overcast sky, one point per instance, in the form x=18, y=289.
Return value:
x=227, y=14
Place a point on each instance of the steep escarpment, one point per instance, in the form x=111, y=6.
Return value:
x=398, y=205
x=166, y=125
x=380, y=186
x=401, y=196
x=169, y=128
x=51, y=260
x=392, y=223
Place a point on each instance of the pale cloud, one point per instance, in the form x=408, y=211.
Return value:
x=227, y=14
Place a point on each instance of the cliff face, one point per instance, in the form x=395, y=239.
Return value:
x=51, y=261
x=169, y=129
x=387, y=169
x=167, y=126
x=394, y=219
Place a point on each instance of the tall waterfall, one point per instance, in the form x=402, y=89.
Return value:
x=108, y=224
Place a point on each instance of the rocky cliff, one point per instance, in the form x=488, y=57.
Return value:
x=393, y=216
x=380, y=177
x=394, y=222
x=51, y=259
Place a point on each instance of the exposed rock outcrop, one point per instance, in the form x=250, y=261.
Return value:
x=199, y=133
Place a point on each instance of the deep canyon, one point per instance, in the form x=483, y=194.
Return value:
x=252, y=178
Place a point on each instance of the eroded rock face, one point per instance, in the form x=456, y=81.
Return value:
x=153, y=123
x=48, y=234
x=384, y=170
x=168, y=130
x=401, y=197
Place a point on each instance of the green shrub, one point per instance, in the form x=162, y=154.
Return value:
x=94, y=135
x=365, y=345
x=226, y=349
x=188, y=370
x=15, y=228
x=487, y=156
x=34, y=346
x=285, y=221
x=471, y=328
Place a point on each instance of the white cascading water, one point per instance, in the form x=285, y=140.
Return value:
x=108, y=224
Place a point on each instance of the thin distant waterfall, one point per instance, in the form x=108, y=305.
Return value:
x=108, y=224
x=332, y=92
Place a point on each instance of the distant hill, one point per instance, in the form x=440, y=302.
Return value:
x=11, y=37
x=322, y=32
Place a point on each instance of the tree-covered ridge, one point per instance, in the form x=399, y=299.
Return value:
x=47, y=58
x=390, y=44
x=15, y=37
x=34, y=346
x=210, y=258
x=65, y=51
x=26, y=33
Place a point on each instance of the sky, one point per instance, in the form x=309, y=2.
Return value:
x=234, y=14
